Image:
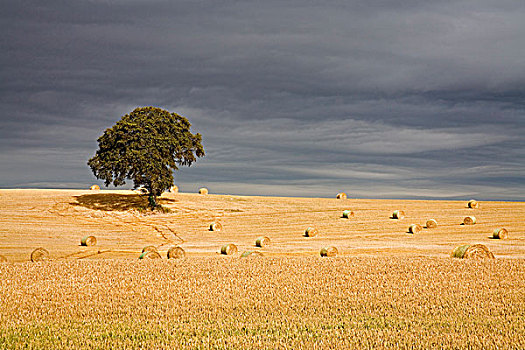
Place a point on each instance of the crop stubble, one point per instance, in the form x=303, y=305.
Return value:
x=270, y=302
x=394, y=299
x=56, y=220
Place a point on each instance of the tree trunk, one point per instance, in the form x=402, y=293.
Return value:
x=152, y=199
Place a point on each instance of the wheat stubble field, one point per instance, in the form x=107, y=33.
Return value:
x=386, y=288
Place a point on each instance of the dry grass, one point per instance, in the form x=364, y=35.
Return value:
x=385, y=288
x=53, y=219
x=264, y=303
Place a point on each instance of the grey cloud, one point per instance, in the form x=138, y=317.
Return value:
x=399, y=98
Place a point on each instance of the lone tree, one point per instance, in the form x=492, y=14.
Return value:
x=146, y=146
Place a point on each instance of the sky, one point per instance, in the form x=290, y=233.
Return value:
x=378, y=99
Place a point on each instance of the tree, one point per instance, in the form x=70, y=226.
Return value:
x=146, y=146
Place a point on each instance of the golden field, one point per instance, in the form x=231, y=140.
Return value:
x=386, y=289
x=58, y=219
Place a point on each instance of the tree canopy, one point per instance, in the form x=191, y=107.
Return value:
x=146, y=146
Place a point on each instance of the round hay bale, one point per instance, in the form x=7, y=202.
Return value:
x=95, y=188
x=39, y=254
x=347, y=214
x=88, y=241
x=215, y=226
x=431, y=223
x=251, y=254
x=3, y=259
x=475, y=251
x=500, y=233
x=176, y=253
x=311, y=232
x=329, y=251
x=262, y=241
x=414, y=228
x=474, y=204
x=174, y=189
x=150, y=255
x=229, y=249
x=459, y=251
x=203, y=190
x=398, y=214
x=149, y=248
x=469, y=220
x=341, y=195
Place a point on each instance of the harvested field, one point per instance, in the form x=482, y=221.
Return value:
x=385, y=287
x=308, y=302
x=54, y=220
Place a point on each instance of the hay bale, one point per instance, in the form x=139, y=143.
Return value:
x=347, y=214
x=475, y=251
x=39, y=254
x=341, y=195
x=431, y=223
x=459, y=251
x=88, y=241
x=398, y=214
x=329, y=251
x=150, y=255
x=203, y=190
x=176, y=253
x=474, y=204
x=500, y=233
x=311, y=232
x=262, y=241
x=149, y=248
x=469, y=220
x=414, y=228
x=3, y=259
x=141, y=190
x=95, y=188
x=215, y=226
x=229, y=249
x=174, y=189
x=251, y=253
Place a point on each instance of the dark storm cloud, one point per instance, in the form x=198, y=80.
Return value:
x=383, y=99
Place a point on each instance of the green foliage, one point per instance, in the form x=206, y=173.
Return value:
x=146, y=146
